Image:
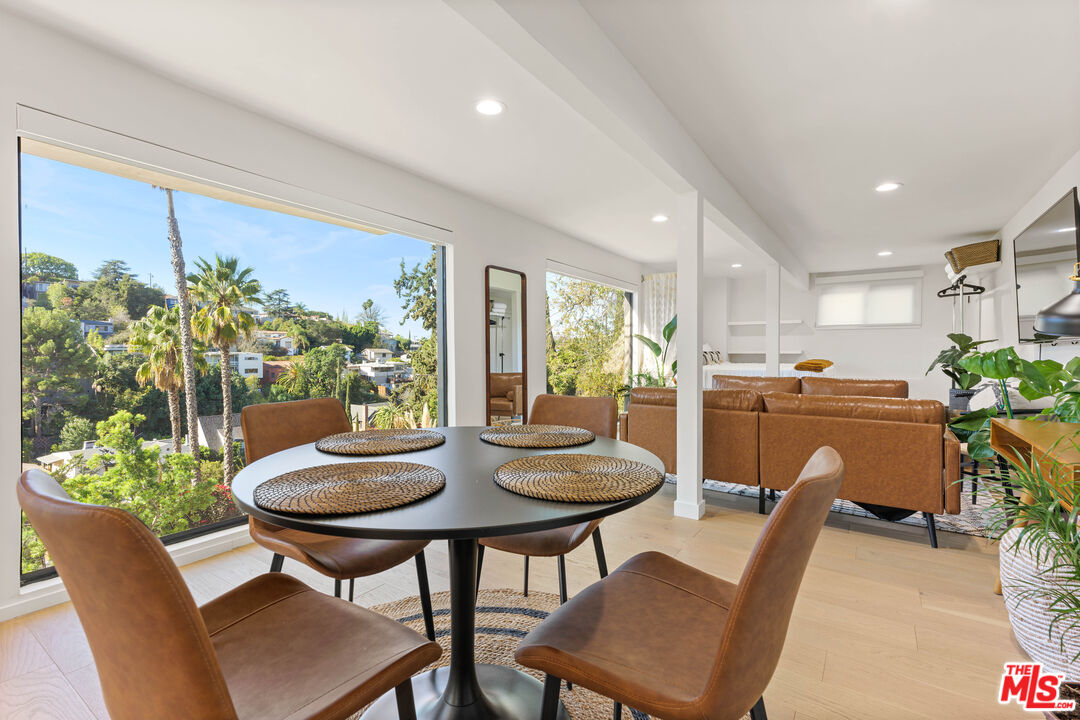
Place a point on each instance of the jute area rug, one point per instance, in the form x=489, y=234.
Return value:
x=503, y=618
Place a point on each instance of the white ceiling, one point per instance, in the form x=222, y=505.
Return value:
x=807, y=105
x=804, y=105
x=397, y=81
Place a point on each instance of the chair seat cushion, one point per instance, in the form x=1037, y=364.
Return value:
x=288, y=652
x=337, y=557
x=647, y=635
x=543, y=543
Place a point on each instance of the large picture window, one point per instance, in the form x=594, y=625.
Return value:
x=868, y=302
x=292, y=305
x=588, y=337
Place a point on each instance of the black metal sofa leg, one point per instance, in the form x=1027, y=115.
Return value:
x=761, y=500
x=931, y=528
x=758, y=711
x=276, y=562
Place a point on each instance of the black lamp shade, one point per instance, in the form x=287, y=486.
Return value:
x=1062, y=318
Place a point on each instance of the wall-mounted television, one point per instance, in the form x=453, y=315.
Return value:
x=1044, y=255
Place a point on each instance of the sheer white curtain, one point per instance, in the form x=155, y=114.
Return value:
x=657, y=308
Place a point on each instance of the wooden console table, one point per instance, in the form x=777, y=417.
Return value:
x=1020, y=440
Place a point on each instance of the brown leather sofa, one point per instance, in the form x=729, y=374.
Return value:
x=506, y=396
x=729, y=430
x=814, y=385
x=899, y=456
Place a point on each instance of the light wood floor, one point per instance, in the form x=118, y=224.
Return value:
x=885, y=627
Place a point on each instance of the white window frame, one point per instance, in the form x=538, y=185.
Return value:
x=913, y=277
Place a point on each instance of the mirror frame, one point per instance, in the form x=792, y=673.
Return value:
x=487, y=343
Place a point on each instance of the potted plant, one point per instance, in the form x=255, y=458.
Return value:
x=963, y=381
x=1040, y=560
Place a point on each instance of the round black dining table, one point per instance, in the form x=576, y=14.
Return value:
x=471, y=506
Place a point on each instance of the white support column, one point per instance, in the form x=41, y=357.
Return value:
x=772, y=320
x=689, y=502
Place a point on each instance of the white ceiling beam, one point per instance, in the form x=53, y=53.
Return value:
x=560, y=44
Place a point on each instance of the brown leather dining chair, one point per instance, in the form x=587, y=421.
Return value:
x=271, y=427
x=592, y=413
x=270, y=649
x=677, y=643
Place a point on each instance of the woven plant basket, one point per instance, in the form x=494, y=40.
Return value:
x=1030, y=614
x=978, y=253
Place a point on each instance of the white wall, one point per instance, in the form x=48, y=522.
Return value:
x=50, y=72
x=1000, y=319
x=891, y=353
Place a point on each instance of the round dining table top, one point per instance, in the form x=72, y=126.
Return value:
x=471, y=505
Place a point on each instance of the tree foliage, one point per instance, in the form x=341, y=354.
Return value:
x=586, y=338
x=54, y=360
x=417, y=289
x=40, y=266
x=157, y=490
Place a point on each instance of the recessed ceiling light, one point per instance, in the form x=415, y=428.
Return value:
x=736, y=265
x=885, y=253
x=1065, y=230
x=660, y=217
x=490, y=107
x=888, y=186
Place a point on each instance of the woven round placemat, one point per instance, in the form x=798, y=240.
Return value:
x=380, y=442
x=537, y=436
x=577, y=478
x=348, y=488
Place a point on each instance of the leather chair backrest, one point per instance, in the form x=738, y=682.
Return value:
x=862, y=408
x=271, y=427
x=599, y=414
x=757, y=626
x=760, y=384
x=846, y=386
x=503, y=383
x=149, y=641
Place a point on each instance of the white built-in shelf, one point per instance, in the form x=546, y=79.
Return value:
x=749, y=323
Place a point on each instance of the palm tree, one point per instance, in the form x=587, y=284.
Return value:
x=294, y=380
x=157, y=336
x=187, y=348
x=221, y=291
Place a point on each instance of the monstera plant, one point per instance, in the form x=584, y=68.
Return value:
x=1037, y=379
x=660, y=352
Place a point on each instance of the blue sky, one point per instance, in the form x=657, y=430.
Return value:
x=86, y=217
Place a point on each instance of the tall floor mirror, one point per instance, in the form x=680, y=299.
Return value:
x=507, y=384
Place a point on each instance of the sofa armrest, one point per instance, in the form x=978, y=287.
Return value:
x=623, y=419
x=516, y=397
x=953, y=484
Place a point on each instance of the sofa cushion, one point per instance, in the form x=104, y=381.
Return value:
x=747, y=400
x=862, y=408
x=845, y=386
x=652, y=396
x=760, y=384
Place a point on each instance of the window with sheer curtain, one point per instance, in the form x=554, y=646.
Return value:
x=863, y=303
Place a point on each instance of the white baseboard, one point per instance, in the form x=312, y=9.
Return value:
x=691, y=510
x=46, y=593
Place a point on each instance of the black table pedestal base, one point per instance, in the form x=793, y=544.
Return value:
x=507, y=693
